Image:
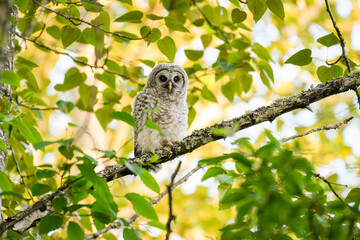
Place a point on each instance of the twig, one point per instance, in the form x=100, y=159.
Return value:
x=37, y=108
x=72, y=19
x=171, y=216
x=21, y=176
x=243, y=1
x=73, y=58
x=333, y=63
x=327, y=127
x=116, y=225
x=211, y=24
x=342, y=41
x=331, y=187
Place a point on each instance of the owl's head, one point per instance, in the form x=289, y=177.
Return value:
x=169, y=80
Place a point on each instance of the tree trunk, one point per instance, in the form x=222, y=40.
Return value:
x=7, y=45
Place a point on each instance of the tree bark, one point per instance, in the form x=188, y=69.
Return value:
x=7, y=45
x=25, y=219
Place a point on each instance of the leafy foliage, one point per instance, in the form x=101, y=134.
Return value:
x=78, y=66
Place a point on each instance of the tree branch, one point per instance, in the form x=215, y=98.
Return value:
x=73, y=58
x=331, y=188
x=342, y=41
x=204, y=136
x=72, y=19
x=171, y=215
x=327, y=127
x=153, y=201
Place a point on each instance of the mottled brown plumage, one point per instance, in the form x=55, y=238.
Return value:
x=164, y=93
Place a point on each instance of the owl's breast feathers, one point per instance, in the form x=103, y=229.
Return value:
x=169, y=114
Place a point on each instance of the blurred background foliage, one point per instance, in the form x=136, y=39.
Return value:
x=79, y=63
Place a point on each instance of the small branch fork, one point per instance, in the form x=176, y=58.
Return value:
x=331, y=187
x=154, y=201
x=171, y=216
x=342, y=41
x=327, y=127
x=72, y=19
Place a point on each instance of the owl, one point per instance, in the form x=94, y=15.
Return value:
x=163, y=101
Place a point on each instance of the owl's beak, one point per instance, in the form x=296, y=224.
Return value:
x=170, y=86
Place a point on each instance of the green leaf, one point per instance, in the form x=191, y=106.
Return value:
x=21, y=4
x=28, y=131
x=148, y=63
x=328, y=40
x=208, y=95
x=228, y=91
x=13, y=194
x=134, y=168
x=149, y=181
x=154, y=35
x=69, y=35
x=276, y=6
x=225, y=66
x=102, y=20
x=192, y=115
x=154, y=17
x=9, y=77
x=123, y=116
x=325, y=74
x=132, y=17
x=65, y=107
x=257, y=8
x=85, y=220
x=141, y=206
x=145, y=176
x=59, y=204
x=92, y=5
x=45, y=173
x=87, y=97
x=102, y=114
x=206, y=40
x=20, y=62
x=238, y=16
x=87, y=170
x=3, y=146
x=213, y=172
x=39, y=189
x=300, y=58
x=49, y=223
x=73, y=78
x=131, y=234
x=174, y=24
x=353, y=195
x=126, y=1
x=152, y=125
x=54, y=31
x=167, y=47
x=5, y=184
x=194, y=55
x=107, y=78
x=216, y=160
x=261, y=51
x=74, y=231
x=157, y=224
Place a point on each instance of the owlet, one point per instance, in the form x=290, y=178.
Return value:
x=163, y=101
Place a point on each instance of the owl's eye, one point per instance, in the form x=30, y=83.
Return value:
x=176, y=79
x=163, y=78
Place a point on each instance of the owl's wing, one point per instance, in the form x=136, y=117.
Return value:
x=140, y=104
